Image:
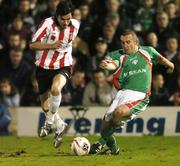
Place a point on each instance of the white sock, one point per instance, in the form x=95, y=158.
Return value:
x=49, y=117
x=59, y=122
x=54, y=105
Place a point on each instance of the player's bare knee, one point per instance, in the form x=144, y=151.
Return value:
x=55, y=90
x=118, y=113
x=44, y=108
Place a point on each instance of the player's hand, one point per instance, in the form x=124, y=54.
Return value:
x=103, y=64
x=170, y=68
x=57, y=44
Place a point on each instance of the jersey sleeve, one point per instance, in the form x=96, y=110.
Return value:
x=76, y=25
x=155, y=55
x=42, y=32
x=115, y=57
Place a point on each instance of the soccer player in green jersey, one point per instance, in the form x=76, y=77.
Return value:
x=132, y=74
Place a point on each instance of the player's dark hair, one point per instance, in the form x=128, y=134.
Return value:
x=64, y=7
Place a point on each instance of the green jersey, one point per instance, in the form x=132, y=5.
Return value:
x=134, y=71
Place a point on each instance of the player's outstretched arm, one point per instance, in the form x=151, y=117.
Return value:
x=168, y=64
x=108, y=64
x=43, y=46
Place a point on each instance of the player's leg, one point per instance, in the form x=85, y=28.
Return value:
x=44, y=84
x=45, y=129
x=119, y=114
x=123, y=111
x=112, y=120
x=99, y=145
x=128, y=111
x=113, y=146
x=58, y=83
x=55, y=97
x=122, y=114
x=107, y=129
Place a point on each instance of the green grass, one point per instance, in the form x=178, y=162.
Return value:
x=135, y=151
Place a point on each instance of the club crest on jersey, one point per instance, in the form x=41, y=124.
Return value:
x=134, y=61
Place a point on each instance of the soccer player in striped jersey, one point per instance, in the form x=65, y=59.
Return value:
x=53, y=44
x=132, y=74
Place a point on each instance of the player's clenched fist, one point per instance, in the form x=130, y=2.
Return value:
x=103, y=64
x=108, y=64
x=170, y=68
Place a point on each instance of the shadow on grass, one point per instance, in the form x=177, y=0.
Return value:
x=13, y=154
x=63, y=154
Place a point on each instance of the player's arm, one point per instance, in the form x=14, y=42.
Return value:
x=158, y=58
x=41, y=35
x=45, y=46
x=167, y=63
x=108, y=64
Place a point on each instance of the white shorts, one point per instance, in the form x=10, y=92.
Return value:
x=130, y=98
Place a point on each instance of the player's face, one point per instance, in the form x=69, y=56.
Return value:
x=129, y=43
x=65, y=20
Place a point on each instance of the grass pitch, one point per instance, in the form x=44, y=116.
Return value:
x=135, y=151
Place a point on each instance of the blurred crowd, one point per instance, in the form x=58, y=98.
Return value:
x=156, y=22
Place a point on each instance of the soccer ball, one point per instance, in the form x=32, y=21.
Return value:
x=80, y=146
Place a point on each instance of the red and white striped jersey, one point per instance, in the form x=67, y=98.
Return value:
x=49, y=33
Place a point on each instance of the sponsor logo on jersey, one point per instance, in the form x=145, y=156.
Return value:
x=133, y=72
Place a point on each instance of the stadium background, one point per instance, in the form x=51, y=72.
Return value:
x=157, y=24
